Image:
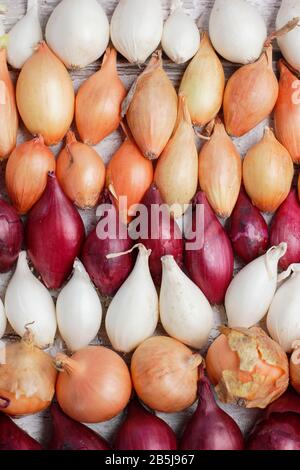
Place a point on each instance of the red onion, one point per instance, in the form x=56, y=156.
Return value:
x=168, y=237
x=14, y=438
x=210, y=428
x=142, y=430
x=11, y=236
x=248, y=230
x=288, y=402
x=210, y=267
x=54, y=235
x=71, y=435
x=108, y=274
x=285, y=227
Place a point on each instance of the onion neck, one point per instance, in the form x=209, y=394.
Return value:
x=207, y=403
x=66, y=364
x=32, y=4
x=71, y=138
x=135, y=409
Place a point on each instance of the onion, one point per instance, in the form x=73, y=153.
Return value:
x=211, y=265
x=248, y=230
x=295, y=367
x=11, y=236
x=163, y=236
x=3, y=319
x=176, y=171
x=136, y=28
x=78, y=32
x=247, y=367
x=99, y=100
x=237, y=31
x=27, y=378
x=279, y=432
x=203, y=84
x=268, y=172
x=288, y=43
x=151, y=108
x=108, y=274
x=94, y=384
x=54, y=235
x=165, y=374
x=287, y=112
x=142, y=430
x=8, y=108
x=129, y=175
x=26, y=173
x=285, y=227
x=288, y=402
x=24, y=36
x=210, y=428
x=68, y=434
x=250, y=95
x=181, y=39
x=45, y=96
x=80, y=172
x=14, y=438
x=220, y=171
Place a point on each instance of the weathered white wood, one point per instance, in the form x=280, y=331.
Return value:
x=39, y=425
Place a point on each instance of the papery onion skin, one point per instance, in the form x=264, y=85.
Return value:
x=94, y=384
x=68, y=434
x=210, y=428
x=151, y=109
x=26, y=173
x=220, y=171
x=250, y=95
x=99, y=100
x=80, y=172
x=11, y=236
x=45, y=96
x=287, y=112
x=153, y=371
x=142, y=430
x=168, y=237
x=295, y=368
x=279, y=432
x=108, y=274
x=247, y=367
x=54, y=235
x=267, y=173
x=8, y=110
x=285, y=227
x=248, y=230
x=14, y=438
x=203, y=84
x=210, y=266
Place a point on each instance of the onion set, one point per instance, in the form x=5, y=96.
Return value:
x=11, y=236
x=289, y=10
x=14, y=438
x=295, y=366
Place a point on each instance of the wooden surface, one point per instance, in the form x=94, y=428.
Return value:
x=39, y=425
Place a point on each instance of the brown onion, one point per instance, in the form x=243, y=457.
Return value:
x=27, y=173
x=165, y=374
x=8, y=109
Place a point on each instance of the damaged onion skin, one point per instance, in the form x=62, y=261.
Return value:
x=14, y=438
x=11, y=236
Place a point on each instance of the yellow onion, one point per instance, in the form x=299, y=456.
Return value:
x=176, y=171
x=27, y=173
x=165, y=374
x=247, y=367
x=287, y=112
x=151, y=109
x=220, y=171
x=250, y=95
x=99, y=100
x=268, y=173
x=80, y=172
x=130, y=175
x=45, y=95
x=8, y=109
x=203, y=84
x=295, y=366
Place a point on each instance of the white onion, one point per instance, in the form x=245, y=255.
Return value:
x=289, y=43
x=79, y=310
x=3, y=321
x=78, y=32
x=251, y=292
x=181, y=38
x=24, y=36
x=136, y=28
x=185, y=313
x=28, y=302
x=237, y=31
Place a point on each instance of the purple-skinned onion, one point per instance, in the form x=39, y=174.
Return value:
x=54, y=235
x=14, y=438
x=142, y=430
x=11, y=236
